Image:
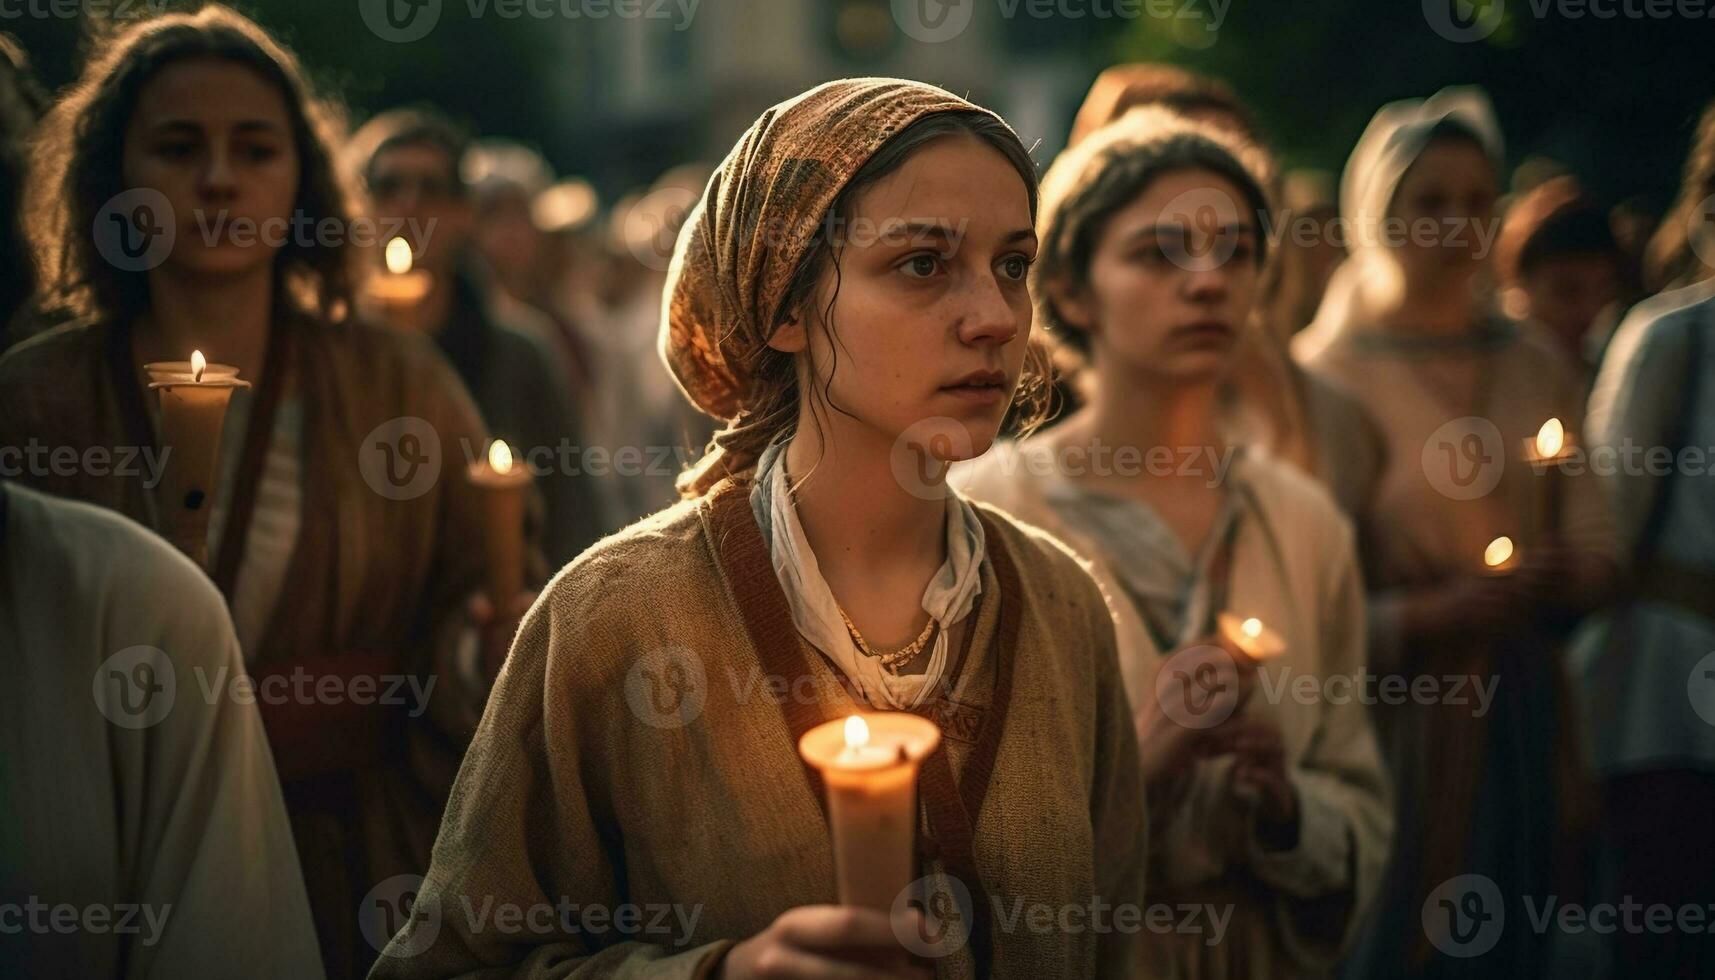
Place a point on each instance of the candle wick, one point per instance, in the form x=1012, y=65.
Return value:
x=904, y=756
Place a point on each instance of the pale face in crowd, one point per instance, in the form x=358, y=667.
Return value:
x=1451, y=189
x=1566, y=293
x=415, y=189
x=930, y=312
x=215, y=139
x=1172, y=280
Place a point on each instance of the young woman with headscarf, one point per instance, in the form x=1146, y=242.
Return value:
x=1490, y=777
x=849, y=295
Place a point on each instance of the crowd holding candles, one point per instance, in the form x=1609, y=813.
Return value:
x=847, y=716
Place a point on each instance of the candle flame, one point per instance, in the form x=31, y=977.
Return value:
x=199, y=364
x=1252, y=627
x=1499, y=552
x=500, y=457
x=399, y=258
x=1550, y=438
x=857, y=732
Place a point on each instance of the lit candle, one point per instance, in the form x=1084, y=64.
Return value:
x=193, y=413
x=869, y=765
x=1547, y=454
x=1500, y=556
x=502, y=481
x=1251, y=637
x=399, y=289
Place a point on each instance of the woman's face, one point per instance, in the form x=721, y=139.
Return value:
x=214, y=138
x=930, y=312
x=1172, y=280
x=1443, y=215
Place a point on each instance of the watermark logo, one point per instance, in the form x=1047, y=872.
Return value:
x=925, y=451
x=667, y=688
x=1209, y=221
x=135, y=687
x=392, y=905
x=400, y=21
x=1464, y=458
x=933, y=21
x=1700, y=688
x=1198, y=687
x=651, y=226
x=400, y=459
x=135, y=230
x=1464, y=21
x=947, y=913
x=1464, y=916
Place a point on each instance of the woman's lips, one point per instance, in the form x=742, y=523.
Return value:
x=1207, y=333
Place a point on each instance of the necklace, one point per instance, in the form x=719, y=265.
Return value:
x=894, y=660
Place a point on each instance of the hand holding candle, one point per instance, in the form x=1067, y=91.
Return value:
x=503, y=482
x=1547, y=453
x=869, y=763
x=193, y=415
x=1250, y=637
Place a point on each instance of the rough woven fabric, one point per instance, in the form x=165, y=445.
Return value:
x=758, y=217
x=634, y=752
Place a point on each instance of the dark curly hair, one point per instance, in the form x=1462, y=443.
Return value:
x=76, y=166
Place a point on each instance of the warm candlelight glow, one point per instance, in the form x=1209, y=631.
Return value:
x=500, y=457
x=399, y=256
x=199, y=364
x=1499, y=552
x=1252, y=627
x=857, y=732
x=1550, y=439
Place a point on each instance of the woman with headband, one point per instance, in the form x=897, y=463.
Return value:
x=1276, y=809
x=849, y=296
x=1477, y=561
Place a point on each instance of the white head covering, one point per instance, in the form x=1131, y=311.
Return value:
x=1392, y=142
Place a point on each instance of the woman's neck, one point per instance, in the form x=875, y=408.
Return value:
x=1442, y=307
x=1144, y=414
x=859, y=518
x=226, y=318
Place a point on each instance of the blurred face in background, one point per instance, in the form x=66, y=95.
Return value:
x=418, y=184
x=1443, y=216
x=925, y=324
x=1566, y=293
x=509, y=242
x=215, y=138
x=1171, y=283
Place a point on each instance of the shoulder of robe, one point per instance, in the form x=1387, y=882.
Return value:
x=1295, y=502
x=384, y=357
x=69, y=347
x=1046, y=566
x=93, y=559
x=625, y=592
x=1666, y=320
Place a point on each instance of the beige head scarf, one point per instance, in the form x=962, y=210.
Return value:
x=742, y=244
x=1394, y=139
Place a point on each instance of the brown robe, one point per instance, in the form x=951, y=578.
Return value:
x=585, y=790
x=370, y=586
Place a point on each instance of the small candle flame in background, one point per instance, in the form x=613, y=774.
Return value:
x=1551, y=438
x=1499, y=552
x=499, y=454
x=199, y=364
x=399, y=259
x=1252, y=627
x=857, y=732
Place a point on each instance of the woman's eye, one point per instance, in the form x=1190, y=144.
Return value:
x=920, y=266
x=1015, y=267
x=175, y=151
x=260, y=154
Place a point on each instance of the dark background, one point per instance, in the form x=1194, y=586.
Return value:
x=1613, y=99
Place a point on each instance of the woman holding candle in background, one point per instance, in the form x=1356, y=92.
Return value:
x=332, y=572
x=1281, y=812
x=1408, y=326
x=849, y=295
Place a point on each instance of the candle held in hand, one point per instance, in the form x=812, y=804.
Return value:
x=503, y=482
x=869, y=764
x=1251, y=637
x=193, y=414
